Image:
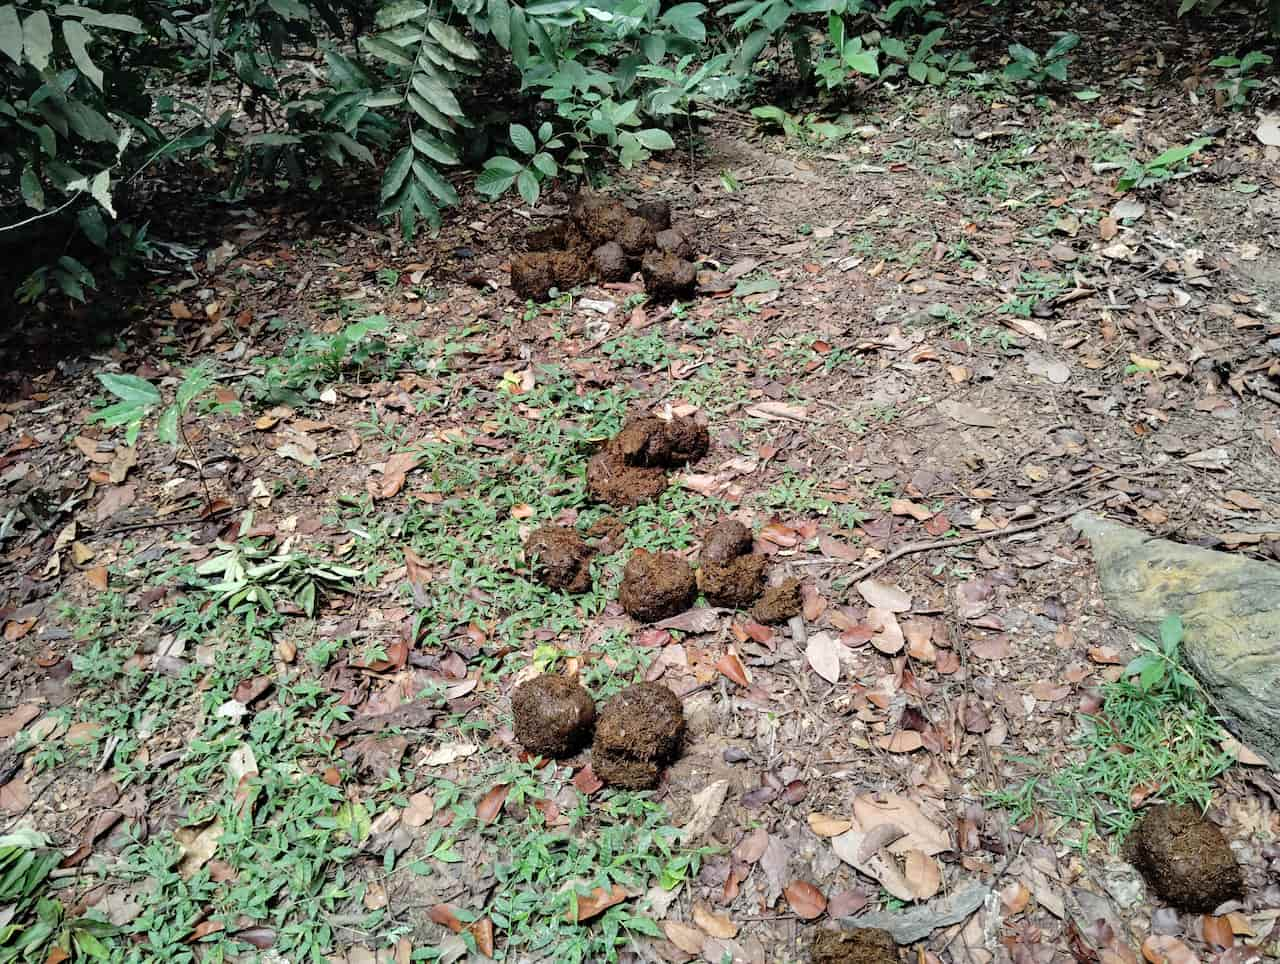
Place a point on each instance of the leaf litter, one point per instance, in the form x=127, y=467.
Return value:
x=839, y=433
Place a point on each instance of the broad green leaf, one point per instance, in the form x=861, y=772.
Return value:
x=527, y=185
x=37, y=40
x=1066, y=43
x=655, y=139
x=32, y=191
x=523, y=139
x=167, y=426
x=385, y=50
x=500, y=22
x=1171, y=632
x=436, y=94
x=10, y=33
x=545, y=163
x=453, y=41
x=100, y=191
x=1176, y=155
x=430, y=178
x=918, y=71
x=396, y=172
x=394, y=14
x=491, y=182
x=434, y=148
x=386, y=98
x=424, y=109
x=863, y=61
x=130, y=388
x=504, y=164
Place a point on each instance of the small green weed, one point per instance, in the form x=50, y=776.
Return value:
x=1154, y=737
x=1173, y=163
x=1237, y=86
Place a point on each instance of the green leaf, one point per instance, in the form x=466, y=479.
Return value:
x=37, y=40
x=32, y=191
x=396, y=172
x=394, y=14
x=167, y=426
x=385, y=50
x=527, y=185
x=1066, y=43
x=655, y=139
x=545, y=163
x=434, y=148
x=453, y=41
x=130, y=388
x=864, y=62
x=492, y=182
x=77, y=42
x=430, y=178
x=500, y=22
x=437, y=95
x=11, y=33
x=1176, y=155
x=1171, y=632
x=523, y=139
x=100, y=191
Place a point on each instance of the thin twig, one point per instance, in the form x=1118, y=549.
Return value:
x=912, y=548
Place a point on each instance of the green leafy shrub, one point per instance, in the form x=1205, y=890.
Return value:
x=1164, y=167
x=1036, y=70
x=1237, y=86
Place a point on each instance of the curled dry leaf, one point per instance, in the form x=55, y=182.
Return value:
x=825, y=825
x=730, y=664
x=888, y=637
x=752, y=846
x=598, y=901
x=1163, y=949
x=823, y=654
x=923, y=874
x=684, y=936
x=717, y=925
x=904, y=741
x=491, y=803
x=805, y=899
x=1218, y=931
x=482, y=931
x=881, y=595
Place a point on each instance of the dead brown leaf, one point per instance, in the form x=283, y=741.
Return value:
x=597, y=902
x=717, y=925
x=807, y=902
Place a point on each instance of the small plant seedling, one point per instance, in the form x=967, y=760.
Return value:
x=1036, y=70
x=1165, y=167
x=1237, y=86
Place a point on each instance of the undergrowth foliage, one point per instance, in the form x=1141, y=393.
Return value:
x=90, y=94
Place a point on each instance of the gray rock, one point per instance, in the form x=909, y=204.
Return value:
x=1230, y=610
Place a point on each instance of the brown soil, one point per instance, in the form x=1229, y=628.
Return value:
x=657, y=213
x=861, y=945
x=735, y=584
x=674, y=243
x=612, y=481
x=640, y=732
x=1186, y=859
x=667, y=277
x=656, y=586
x=560, y=558
x=600, y=219
x=726, y=539
x=611, y=262
x=533, y=275
x=629, y=469
x=779, y=603
x=553, y=716
x=657, y=442
x=557, y=236
x=636, y=237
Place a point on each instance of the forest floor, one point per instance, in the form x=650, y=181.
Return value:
x=941, y=324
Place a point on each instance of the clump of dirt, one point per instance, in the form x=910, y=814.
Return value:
x=726, y=539
x=1186, y=859
x=639, y=733
x=674, y=243
x=667, y=277
x=859, y=945
x=611, y=262
x=779, y=603
x=600, y=219
x=561, y=558
x=554, y=716
x=656, y=586
x=735, y=584
x=533, y=275
x=604, y=239
x=630, y=468
x=730, y=575
x=657, y=213
x=636, y=237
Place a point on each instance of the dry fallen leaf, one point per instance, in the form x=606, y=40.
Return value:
x=1163, y=949
x=198, y=844
x=717, y=925
x=491, y=803
x=904, y=741
x=684, y=936
x=888, y=637
x=825, y=825
x=923, y=874
x=805, y=899
x=881, y=595
x=823, y=654
x=730, y=664
x=597, y=902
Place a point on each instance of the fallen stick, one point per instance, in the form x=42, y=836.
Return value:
x=911, y=548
